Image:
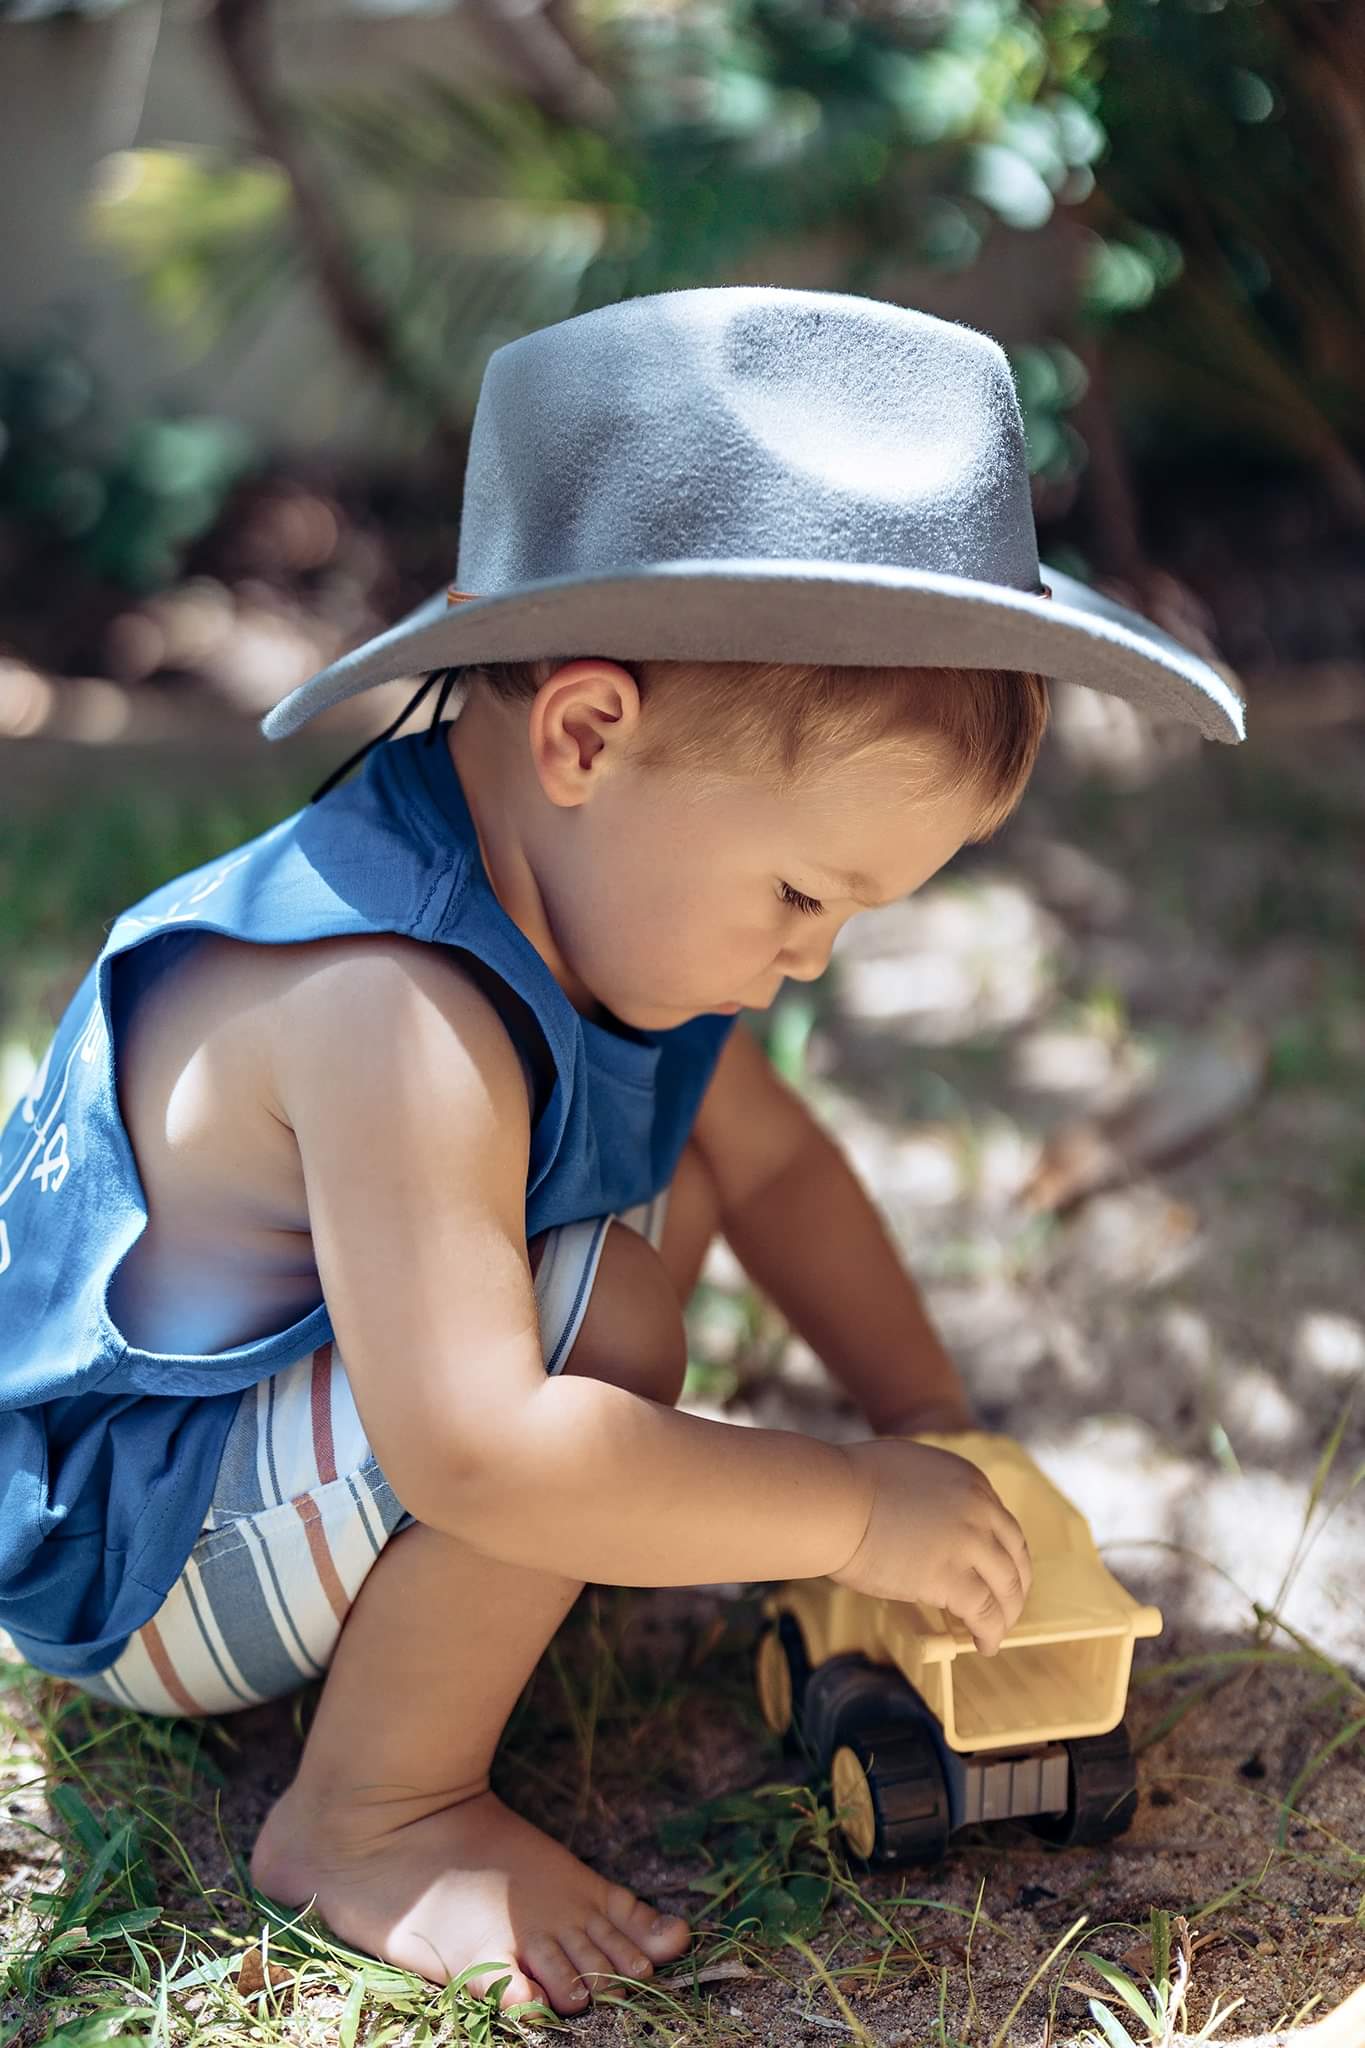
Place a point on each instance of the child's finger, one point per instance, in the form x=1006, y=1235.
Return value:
x=1010, y=1583
x=1008, y=1532
x=975, y=1603
x=994, y=1565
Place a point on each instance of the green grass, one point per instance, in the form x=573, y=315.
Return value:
x=144, y=1918
x=127, y=1935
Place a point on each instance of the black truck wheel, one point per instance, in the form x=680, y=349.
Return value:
x=869, y=1729
x=1102, y=1794
x=889, y=1796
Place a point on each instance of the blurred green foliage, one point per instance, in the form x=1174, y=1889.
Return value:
x=1182, y=143
x=900, y=138
x=233, y=242
x=1236, y=155
x=128, y=497
x=1192, y=151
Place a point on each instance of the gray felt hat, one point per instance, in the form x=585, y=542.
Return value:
x=748, y=473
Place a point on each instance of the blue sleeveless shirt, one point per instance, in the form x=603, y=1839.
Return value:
x=108, y=1453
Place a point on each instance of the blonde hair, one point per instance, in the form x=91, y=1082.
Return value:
x=774, y=721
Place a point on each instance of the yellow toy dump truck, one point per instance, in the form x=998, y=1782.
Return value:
x=920, y=1734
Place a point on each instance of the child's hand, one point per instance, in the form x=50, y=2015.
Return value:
x=939, y=1532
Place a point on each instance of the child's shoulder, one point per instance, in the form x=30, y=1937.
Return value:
x=204, y=1099
x=203, y=1048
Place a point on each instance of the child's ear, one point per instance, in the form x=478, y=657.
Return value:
x=582, y=719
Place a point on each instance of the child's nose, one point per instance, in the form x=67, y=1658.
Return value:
x=807, y=962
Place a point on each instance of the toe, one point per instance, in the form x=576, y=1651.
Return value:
x=523, y=1990
x=596, y=1970
x=622, y=1951
x=662, y=1936
x=519, y=1990
x=546, y=1960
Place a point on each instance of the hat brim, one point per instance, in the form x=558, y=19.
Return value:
x=850, y=614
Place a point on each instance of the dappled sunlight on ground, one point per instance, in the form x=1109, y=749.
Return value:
x=1150, y=985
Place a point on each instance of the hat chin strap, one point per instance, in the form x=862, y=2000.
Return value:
x=446, y=677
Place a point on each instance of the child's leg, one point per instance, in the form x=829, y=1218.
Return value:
x=390, y=1824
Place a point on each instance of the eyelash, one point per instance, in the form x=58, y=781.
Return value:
x=806, y=904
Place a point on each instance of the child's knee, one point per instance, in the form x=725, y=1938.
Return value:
x=632, y=1333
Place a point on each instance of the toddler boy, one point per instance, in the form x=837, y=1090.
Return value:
x=346, y=1227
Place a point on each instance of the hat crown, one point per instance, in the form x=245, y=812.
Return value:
x=747, y=473
x=747, y=423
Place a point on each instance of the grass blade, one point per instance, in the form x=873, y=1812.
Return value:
x=1122, y=1985
x=1114, y=2034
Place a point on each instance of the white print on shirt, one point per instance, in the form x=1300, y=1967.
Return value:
x=55, y=1163
x=53, y=1144
x=182, y=910
x=36, y=1086
x=46, y=1157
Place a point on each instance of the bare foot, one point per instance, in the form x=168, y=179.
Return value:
x=469, y=1883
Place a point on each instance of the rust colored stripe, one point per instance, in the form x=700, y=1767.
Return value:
x=337, y=1597
x=323, y=1452
x=165, y=1670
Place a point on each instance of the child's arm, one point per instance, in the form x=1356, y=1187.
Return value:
x=410, y=1111
x=802, y=1227
x=412, y=1119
